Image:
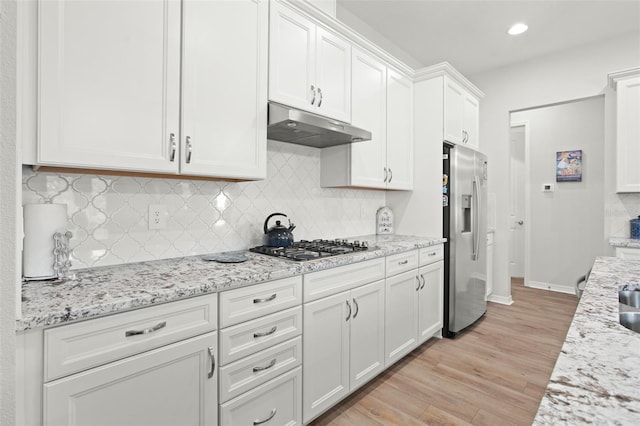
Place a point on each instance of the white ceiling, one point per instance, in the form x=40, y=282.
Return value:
x=472, y=34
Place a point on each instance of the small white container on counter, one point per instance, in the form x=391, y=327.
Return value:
x=41, y=221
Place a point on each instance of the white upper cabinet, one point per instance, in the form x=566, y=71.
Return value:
x=399, y=131
x=224, y=88
x=109, y=84
x=309, y=66
x=111, y=99
x=382, y=103
x=627, y=130
x=461, y=115
x=369, y=111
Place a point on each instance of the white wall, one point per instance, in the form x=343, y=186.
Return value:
x=566, y=227
x=8, y=206
x=573, y=74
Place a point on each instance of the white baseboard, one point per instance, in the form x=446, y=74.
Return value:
x=500, y=299
x=551, y=287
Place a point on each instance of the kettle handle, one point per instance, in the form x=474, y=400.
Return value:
x=269, y=217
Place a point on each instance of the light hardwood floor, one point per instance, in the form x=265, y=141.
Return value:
x=494, y=373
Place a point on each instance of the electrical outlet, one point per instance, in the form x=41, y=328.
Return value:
x=157, y=216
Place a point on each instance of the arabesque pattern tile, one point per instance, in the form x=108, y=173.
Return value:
x=108, y=215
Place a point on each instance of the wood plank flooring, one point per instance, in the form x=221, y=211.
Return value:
x=494, y=373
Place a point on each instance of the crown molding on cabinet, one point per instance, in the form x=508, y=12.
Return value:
x=614, y=77
x=445, y=68
x=332, y=24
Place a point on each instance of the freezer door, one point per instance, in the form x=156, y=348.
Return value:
x=467, y=279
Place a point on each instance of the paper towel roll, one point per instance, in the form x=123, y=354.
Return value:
x=41, y=221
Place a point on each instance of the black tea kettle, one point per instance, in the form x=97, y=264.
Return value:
x=278, y=235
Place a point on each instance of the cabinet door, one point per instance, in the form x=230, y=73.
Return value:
x=325, y=353
x=453, y=111
x=333, y=75
x=109, y=84
x=471, y=120
x=431, y=302
x=292, y=58
x=628, y=135
x=369, y=111
x=367, y=333
x=401, y=315
x=399, y=131
x=224, y=88
x=173, y=385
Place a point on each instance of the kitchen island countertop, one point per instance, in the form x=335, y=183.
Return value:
x=595, y=379
x=93, y=292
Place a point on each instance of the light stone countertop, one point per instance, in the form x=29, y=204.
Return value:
x=624, y=242
x=94, y=292
x=596, y=378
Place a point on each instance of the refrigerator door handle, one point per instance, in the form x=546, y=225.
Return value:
x=475, y=227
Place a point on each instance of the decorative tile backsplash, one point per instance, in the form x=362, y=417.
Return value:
x=108, y=215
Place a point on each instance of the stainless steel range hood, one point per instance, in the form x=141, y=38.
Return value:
x=303, y=128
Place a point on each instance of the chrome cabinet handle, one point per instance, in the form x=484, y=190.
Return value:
x=423, y=282
x=313, y=90
x=349, y=315
x=418, y=279
x=385, y=175
x=174, y=146
x=320, y=100
x=266, y=367
x=189, y=149
x=266, y=299
x=156, y=327
x=266, y=333
x=355, y=303
x=433, y=253
x=390, y=175
x=404, y=262
x=259, y=422
x=212, y=357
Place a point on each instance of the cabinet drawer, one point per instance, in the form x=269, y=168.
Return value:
x=333, y=281
x=254, y=370
x=76, y=347
x=250, y=337
x=247, y=303
x=274, y=403
x=431, y=254
x=402, y=262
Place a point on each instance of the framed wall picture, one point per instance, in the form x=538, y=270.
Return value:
x=569, y=166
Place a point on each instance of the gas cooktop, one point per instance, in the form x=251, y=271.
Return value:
x=309, y=250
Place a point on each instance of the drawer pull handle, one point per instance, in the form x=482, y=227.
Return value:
x=212, y=357
x=271, y=415
x=266, y=367
x=266, y=299
x=156, y=327
x=404, y=262
x=266, y=333
x=433, y=253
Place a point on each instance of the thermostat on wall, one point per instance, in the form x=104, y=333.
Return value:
x=548, y=187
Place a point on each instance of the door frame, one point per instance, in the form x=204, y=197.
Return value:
x=527, y=195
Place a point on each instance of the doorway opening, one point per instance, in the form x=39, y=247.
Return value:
x=518, y=141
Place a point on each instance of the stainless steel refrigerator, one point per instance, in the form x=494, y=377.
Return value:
x=464, y=203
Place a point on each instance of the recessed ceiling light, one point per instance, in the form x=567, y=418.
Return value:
x=518, y=28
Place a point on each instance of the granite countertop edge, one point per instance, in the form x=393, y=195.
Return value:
x=101, y=291
x=594, y=379
x=624, y=242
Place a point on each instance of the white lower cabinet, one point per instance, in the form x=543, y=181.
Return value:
x=343, y=345
x=172, y=385
x=414, y=303
x=401, y=313
x=276, y=402
x=628, y=253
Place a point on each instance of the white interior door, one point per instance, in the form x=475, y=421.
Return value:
x=517, y=214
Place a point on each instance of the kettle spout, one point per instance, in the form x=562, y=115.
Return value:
x=291, y=226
